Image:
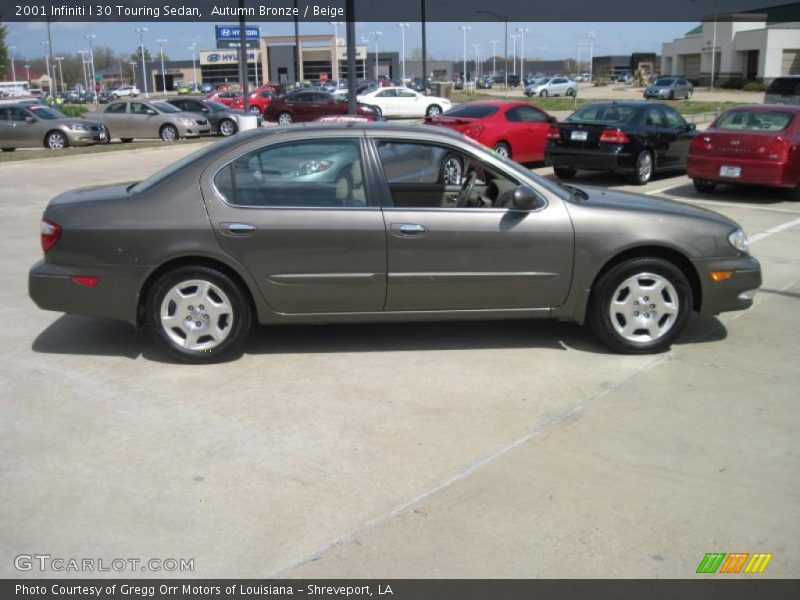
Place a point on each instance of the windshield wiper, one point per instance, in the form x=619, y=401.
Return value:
x=574, y=192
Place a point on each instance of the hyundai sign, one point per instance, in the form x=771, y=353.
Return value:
x=230, y=33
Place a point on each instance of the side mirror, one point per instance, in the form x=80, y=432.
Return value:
x=205, y=109
x=691, y=127
x=30, y=119
x=150, y=111
x=525, y=199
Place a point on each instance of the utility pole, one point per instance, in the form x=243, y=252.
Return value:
x=335, y=62
x=514, y=37
x=464, y=29
x=58, y=59
x=243, y=58
x=92, y=76
x=350, y=34
x=161, y=42
x=141, y=31
x=424, y=49
x=45, y=45
x=494, y=57
x=402, y=27
x=193, y=48
x=522, y=31
x=591, y=37
x=365, y=41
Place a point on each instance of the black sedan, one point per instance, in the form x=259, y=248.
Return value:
x=224, y=121
x=636, y=139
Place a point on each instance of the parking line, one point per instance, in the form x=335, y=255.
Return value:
x=734, y=205
x=777, y=229
x=659, y=190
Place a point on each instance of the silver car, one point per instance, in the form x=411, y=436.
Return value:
x=669, y=88
x=34, y=126
x=552, y=86
x=130, y=119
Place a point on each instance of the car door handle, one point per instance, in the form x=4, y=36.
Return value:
x=408, y=229
x=241, y=228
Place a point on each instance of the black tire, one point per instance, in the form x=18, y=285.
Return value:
x=564, y=172
x=640, y=175
x=451, y=170
x=434, y=110
x=126, y=140
x=227, y=127
x=8, y=149
x=543, y=93
x=168, y=133
x=794, y=193
x=503, y=149
x=242, y=314
x=671, y=95
x=570, y=92
x=704, y=186
x=108, y=136
x=599, y=317
x=55, y=140
x=285, y=118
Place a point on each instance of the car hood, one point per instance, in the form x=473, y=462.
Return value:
x=607, y=199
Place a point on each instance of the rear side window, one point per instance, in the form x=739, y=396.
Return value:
x=472, y=111
x=313, y=174
x=116, y=108
x=603, y=113
x=525, y=114
x=411, y=163
x=785, y=86
x=751, y=120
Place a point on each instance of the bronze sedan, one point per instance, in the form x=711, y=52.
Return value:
x=132, y=119
x=356, y=223
x=36, y=125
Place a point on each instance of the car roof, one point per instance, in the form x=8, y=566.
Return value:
x=499, y=103
x=371, y=128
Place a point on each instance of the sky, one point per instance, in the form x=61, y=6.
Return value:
x=445, y=40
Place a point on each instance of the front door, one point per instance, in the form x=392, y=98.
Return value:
x=297, y=215
x=530, y=127
x=473, y=251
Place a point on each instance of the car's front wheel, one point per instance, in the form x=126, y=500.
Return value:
x=434, y=110
x=570, y=92
x=168, y=133
x=451, y=171
x=640, y=306
x=56, y=140
x=503, y=149
x=285, y=118
x=643, y=170
x=704, y=186
x=543, y=93
x=227, y=127
x=198, y=314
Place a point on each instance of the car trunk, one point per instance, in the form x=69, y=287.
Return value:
x=585, y=134
x=740, y=144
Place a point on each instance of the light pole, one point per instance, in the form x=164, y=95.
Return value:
x=335, y=63
x=514, y=37
x=83, y=66
x=13, y=69
x=522, y=31
x=465, y=29
x=376, y=35
x=28, y=73
x=45, y=45
x=58, y=59
x=133, y=72
x=714, y=45
x=193, y=48
x=494, y=57
x=591, y=37
x=90, y=37
x=403, y=27
x=477, y=48
x=141, y=31
x=365, y=41
x=503, y=18
x=161, y=42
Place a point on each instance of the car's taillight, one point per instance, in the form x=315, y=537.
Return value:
x=700, y=143
x=778, y=150
x=474, y=130
x=614, y=136
x=554, y=133
x=50, y=233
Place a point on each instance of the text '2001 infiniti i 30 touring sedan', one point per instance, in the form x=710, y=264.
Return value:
x=358, y=223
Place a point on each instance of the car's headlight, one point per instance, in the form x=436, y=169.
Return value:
x=76, y=127
x=186, y=121
x=738, y=239
x=314, y=166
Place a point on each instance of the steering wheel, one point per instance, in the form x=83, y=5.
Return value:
x=466, y=189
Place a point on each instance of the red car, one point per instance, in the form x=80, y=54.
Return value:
x=309, y=105
x=257, y=100
x=227, y=97
x=753, y=144
x=517, y=130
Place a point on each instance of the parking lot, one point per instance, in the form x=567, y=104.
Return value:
x=496, y=449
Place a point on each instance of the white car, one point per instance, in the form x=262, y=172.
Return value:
x=125, y=90
x=404, y=102
x=552, y=86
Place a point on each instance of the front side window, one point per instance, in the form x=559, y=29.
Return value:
x=313, y=174
x=116, y=108
x=17, y=114
x=139, y=108
x=672, y=118
x=526, y=114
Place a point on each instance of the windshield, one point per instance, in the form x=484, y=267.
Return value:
x=664, y=82
x=754, y=120
x=472, y=111
x=603, y=113
x=43, y=112
x=165, y=108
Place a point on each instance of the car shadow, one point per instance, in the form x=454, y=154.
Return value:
x=739, y=194
x=78, y=335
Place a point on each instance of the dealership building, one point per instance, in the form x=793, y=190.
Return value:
x=759, y=46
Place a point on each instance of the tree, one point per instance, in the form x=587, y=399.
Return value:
x=5, y=62
x=137, y=55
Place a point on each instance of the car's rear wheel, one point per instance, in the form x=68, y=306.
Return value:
x=198, y=314
x=704, y=186
x=671, y=95
x=640, y=306
x=108, y=135
x=643, y=171
x=285, y=118
x=503, y=149
x=451, y=172
x=168, y=133
x=227, y=127
x=543, y=93
x=55, y=140
x=570, y=92
x=434, y=110
x=564, y=172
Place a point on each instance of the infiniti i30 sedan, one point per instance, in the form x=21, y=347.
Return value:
x=326, y=223
x=36, y=125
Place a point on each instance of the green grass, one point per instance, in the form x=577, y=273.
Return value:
x=686, y=107
x=74, y=110
x=33, y=153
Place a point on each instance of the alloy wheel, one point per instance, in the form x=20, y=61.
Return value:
x=56, y=141
x=169, y=133
x=644, y=167
x=227, y=127
x=196, y=315
x=644, y=307
x=285, y=119
x=451, y=171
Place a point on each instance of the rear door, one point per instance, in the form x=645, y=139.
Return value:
x=20, y=132
x=299, y=216
x=115, y=118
